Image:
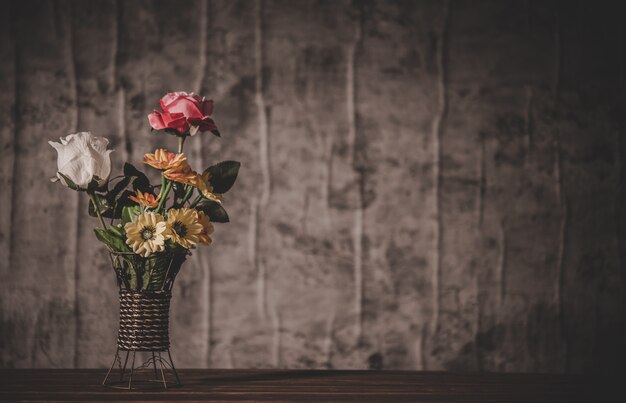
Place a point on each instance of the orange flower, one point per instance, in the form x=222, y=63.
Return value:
x=204, y=187
x=165, y=160
x=183, y=174
x=145, y=199
x=175, y=166
x=207, y=229
x=187, y=176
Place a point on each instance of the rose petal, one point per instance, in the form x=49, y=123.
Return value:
x=169, y=98
x=156, y=121
x=170, y=119
x=82, y=156
x=186, y=107
x=194, y=98
x=175, y=121
x=207, y=107
x=207, y=124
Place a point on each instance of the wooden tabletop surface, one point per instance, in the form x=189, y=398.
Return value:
x=294, y=385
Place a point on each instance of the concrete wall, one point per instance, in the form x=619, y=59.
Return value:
x=425, y=185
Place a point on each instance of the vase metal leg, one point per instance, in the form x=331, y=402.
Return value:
x=162, y=371
x=123, y=371
x=132, y=371
x=115, y=358
x=137, y=372
x=156, y=376
x=173, y=368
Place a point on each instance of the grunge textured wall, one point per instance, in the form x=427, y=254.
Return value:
x=425, y=184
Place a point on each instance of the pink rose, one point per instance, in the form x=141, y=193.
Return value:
x=186, y=113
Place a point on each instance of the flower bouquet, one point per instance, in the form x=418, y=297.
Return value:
x=149, y=229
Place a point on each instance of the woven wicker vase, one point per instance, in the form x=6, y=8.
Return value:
x=143, y=327
x=145, y=292
x=144, y=321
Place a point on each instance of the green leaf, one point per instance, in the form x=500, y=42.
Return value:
x=118, y=190
x=128, y=270
x=105, y=209
x=133, y=278
x=117, y=231
x=145, y=275
x=129, y=213
x=93, y=186
x=141, y=182
x=103, y=188
x=213, y=210
x=109, y=211
x=223, y=175
x=124, y=201
x=112, y=239
x=69, y=183
x=179, y=191
x=159, y=264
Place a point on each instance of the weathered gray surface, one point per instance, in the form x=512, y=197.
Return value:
x=425, y=185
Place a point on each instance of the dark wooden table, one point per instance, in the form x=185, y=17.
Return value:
x=327, y=386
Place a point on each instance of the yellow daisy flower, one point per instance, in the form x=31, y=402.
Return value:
x=207, y=228
x=147, y=234
x=186, y=229
x=145, y=199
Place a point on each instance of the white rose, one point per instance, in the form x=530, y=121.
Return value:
x=83, y=157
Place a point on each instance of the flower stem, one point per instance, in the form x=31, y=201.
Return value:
x=96, y=206
x=187, y=195
x=163, y=195
x=196, y=201
x=181, y=141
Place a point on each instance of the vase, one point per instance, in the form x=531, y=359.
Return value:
x=145, y=286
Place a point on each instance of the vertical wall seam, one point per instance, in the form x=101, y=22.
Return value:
x=261, y=106
x=205, y=266
x=197, y=87
x=207, y=326
x=557, y=56
x=253, y=240
x=482, y=184
x=502, y=263
x=121, y=91
x=328, y=342
x=70, y=55
x=115, y=43
x=422, y=347
x=328, y=178
x=16, y=137
x=262, y=289
x=436, y=135
x=277, y=337
x=479, y=324
x=202, y=46
x=264, y=162
x=121, y=116
x=560, y=280
x=357, y=231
